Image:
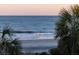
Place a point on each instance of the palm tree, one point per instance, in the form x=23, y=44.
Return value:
x=67, y=31
x=9, y=46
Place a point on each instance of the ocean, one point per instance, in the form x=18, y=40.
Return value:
x=32, y=28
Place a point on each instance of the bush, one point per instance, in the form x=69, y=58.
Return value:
x=54, y=51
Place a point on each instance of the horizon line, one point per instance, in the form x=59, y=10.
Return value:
x=29, y=15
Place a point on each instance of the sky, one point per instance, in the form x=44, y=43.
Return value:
x=31, y=9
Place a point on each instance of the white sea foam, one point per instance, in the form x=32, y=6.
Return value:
x=33, y=36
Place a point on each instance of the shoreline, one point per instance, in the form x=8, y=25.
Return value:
x=38, y=46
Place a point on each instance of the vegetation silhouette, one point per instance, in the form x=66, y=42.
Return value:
x=9, y=46
x=54, y=51
x=42, y=53
x=67, y=31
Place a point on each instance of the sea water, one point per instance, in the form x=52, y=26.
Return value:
x=41, y=27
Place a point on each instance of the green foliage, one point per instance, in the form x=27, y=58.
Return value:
x=9, y=46
x=67, y=30
x=54, y=51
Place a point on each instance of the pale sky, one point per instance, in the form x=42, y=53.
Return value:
x=32, y=9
